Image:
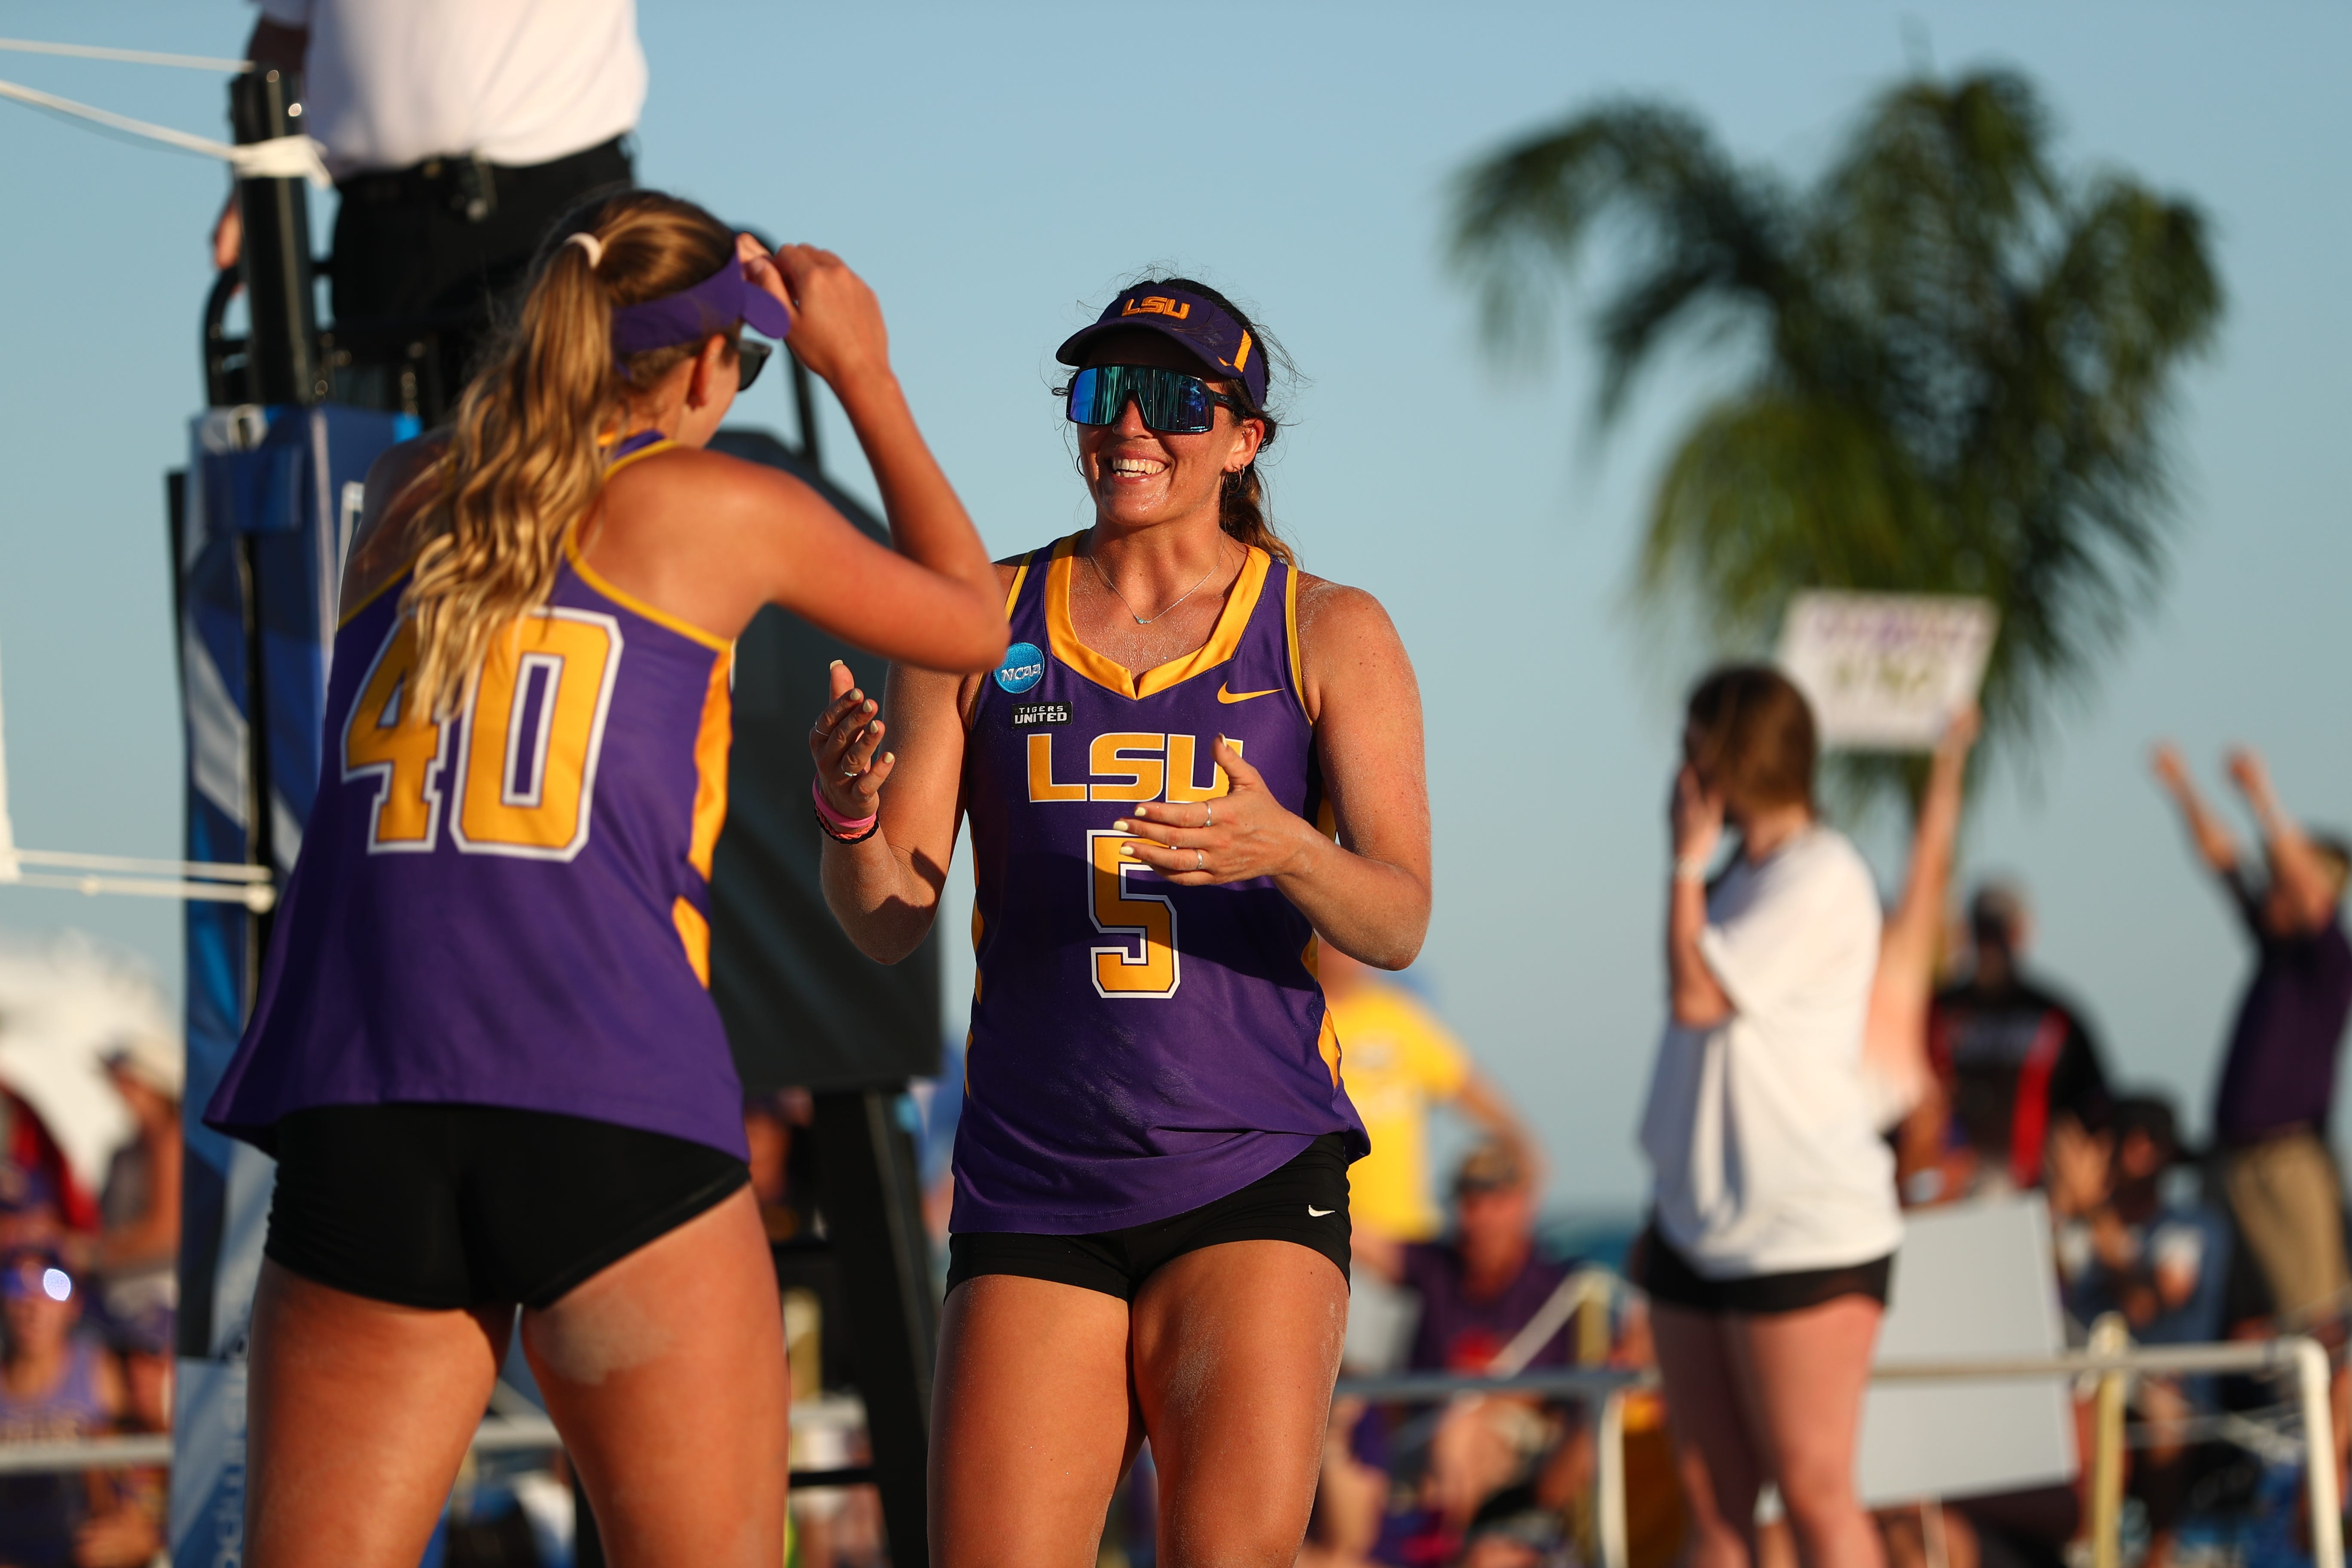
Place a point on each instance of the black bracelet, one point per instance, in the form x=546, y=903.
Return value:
x=826, y=828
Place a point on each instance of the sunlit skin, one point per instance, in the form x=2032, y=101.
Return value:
x=665, y=1372
x=1228, y=1355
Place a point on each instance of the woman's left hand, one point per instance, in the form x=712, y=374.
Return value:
x=1242, y=834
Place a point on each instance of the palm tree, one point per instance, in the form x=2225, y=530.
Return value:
x=1966, y=368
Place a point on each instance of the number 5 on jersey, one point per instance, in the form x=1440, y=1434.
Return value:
x=527, y=743
x=1151, y=967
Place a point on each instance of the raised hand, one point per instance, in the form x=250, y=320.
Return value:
x=837, y=330
x=2249, y=773
x=2164, y=759
x=1242, y=834
x=848, y=772
x=1695, y=815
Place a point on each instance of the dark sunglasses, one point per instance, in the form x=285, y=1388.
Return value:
x=1171, y=402
x=751, y=359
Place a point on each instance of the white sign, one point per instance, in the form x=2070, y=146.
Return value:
x=1975, y=1281
x=1885, y=672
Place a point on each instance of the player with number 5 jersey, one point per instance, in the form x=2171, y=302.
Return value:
x=1195, y=767
x=484, y=1050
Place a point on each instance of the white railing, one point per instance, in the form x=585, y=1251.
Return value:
x=2296, y=1355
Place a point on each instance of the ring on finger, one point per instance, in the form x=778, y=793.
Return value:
x=1199, y=860
x=1208, y=817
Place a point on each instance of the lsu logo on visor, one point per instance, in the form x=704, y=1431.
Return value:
x=1024, y=666
x=1155, y=305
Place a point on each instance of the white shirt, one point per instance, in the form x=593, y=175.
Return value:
x=1758, y=1131
x=391, y=83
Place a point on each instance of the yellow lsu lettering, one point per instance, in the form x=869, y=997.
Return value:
x=1155, y=305
x=1140, y=776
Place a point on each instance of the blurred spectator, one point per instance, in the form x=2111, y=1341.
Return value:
x=139, y=1208
x=2278, y=1082
x=458, y=133
x=1774, y=1223
x=28, y=1207
x=2012, y=1057
x=1478, y=1290
x=1400, y=1063
x=777, y=1126
x=55, y=1385
x=2123, y=1248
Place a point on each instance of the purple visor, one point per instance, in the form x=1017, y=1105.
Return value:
x=713, y=305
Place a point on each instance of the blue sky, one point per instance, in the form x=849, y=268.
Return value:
x=995, y=171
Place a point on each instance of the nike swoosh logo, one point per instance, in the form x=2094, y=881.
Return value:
x=1226, y=696
x=1318, y=1214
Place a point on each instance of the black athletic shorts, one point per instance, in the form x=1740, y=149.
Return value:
x=1668, y=1277
x=1305, y=1201
x=469, y=1206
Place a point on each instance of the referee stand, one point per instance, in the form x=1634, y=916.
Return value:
x=260, y=521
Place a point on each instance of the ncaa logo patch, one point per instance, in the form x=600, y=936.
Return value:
x=1024, y=666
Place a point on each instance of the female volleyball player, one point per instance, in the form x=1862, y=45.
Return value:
x=1774, y=1225
x=484, y=1053
x=1151, y=1222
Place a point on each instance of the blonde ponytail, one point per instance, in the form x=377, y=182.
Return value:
x=524, y=462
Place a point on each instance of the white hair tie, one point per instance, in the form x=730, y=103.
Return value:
x=592, y=245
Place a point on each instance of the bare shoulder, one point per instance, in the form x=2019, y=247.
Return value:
x=1333, y=615
x=1347, y=643
x=704, y=480
x=399, y=483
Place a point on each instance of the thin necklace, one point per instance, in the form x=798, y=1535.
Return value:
x=1147, y=620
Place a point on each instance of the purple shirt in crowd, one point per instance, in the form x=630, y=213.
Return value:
x=2280, y=1075
x=1458, y=1334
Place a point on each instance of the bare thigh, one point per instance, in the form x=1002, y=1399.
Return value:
x=1031, y=1423
x=1236, y=1348
x=1805, y=1374
x=359, y=1413
x=665, y=1374
x=1716, y=1460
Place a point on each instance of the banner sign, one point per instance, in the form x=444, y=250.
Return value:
x=1885, y=672
x=267, y=509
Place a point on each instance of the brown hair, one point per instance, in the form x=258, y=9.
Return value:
x=1242, y=507
x=524, y=461
x=1751, y=737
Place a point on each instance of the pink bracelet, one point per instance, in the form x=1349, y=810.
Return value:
x=840, y=826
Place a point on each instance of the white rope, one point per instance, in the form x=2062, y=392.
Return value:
x=279, y=158
x=128, y=56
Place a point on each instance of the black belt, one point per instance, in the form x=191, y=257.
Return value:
x=463, y=184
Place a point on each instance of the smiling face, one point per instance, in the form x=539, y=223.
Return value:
x=1140, y=477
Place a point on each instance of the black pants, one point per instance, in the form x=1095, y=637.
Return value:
x=423, y=253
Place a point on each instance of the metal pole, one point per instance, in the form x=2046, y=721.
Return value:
x=283, y=351
x=2312, y=1376
x=2109, y=1337
x=1609, y=1482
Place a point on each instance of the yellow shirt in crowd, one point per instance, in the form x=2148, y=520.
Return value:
x=1397, y=1061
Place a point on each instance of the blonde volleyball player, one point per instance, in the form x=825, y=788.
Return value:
x=485, y=1052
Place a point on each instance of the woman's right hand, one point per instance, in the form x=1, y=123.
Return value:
x=848, y=774
x=837, y=330
x=1697, y=818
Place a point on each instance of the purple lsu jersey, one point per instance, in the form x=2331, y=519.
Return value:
x=510, y=906
x=1137, y=1047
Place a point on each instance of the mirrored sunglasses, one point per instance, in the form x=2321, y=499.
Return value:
x=1171, y=402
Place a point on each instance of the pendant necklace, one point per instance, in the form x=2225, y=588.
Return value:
x=1147, y=620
